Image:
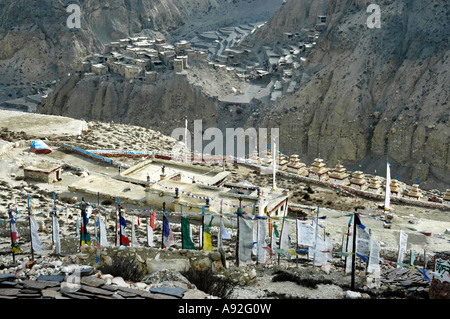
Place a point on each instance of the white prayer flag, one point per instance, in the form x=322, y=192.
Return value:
x=402, y=247
x=306, y=234
x=35, y=241
x=245, y=239
x=262, y=230
x=103, y=238
x=55, y=230
x=284, y=240
x=150, y=236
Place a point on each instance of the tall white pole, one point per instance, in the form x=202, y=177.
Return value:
x=387, y=198
x=186, y=141
x=274, y=163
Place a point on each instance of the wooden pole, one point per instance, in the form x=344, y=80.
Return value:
x=163, y=225
x=10, y=227
x=296, y=237
x=354, y=251
x=53, y=214
x=120, y=226
x=317, y=233
x=202, y=228
x=181, y=223
x=239, y=214
x=31, y=237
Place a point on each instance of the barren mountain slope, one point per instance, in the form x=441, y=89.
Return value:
x=373, y=94
x=36, y=43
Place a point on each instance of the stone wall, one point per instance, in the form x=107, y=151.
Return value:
x=152, y=259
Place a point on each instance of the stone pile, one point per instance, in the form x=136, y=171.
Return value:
x=91, y=284
x=405, y=278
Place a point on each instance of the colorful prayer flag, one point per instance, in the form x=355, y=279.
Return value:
x=186, y=231
x=167, y=233
x=123, y=235
x=14, y=235
x=207, y=241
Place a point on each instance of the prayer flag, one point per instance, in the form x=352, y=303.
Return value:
x=35, y=241
x=134, y=242
x=85, y=238
x=207, y=241
x=358, y=221
x=167, y=233
x=284, y=240
x=305, y=234
x=261, y=252
x=402, y=246
x=387, y=199
x=123, y=235
x=224, y=234
x=152, y=220
x=150, y=236
x=55, y=230
x=103, y=238
x=14, y=235
x=186, y=232
x=245, y=239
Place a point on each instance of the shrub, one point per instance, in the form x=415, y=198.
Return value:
x=209, y=283
x=127, y=268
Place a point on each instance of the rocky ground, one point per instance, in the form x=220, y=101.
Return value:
x=288, y=279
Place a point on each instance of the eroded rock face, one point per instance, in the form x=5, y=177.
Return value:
x=36, y=44
x=372, y=92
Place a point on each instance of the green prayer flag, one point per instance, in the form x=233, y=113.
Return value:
x=186, y=232
x=275, y=230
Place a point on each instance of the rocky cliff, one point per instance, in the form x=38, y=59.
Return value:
x=37, y=45
x=370, y=94
x=161, y=105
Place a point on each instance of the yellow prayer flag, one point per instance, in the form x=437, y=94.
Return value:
x=207, y=242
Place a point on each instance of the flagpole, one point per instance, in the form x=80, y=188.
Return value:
x=317, y=233
x=53, y=213
x=12, y=240
x=296, y=232
x=203, y=227
x=257, y=240
x=83, y=225
x=238, y=213
x=120, y=226
x=29, y=219
x=354, y=250
x=163, y=225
